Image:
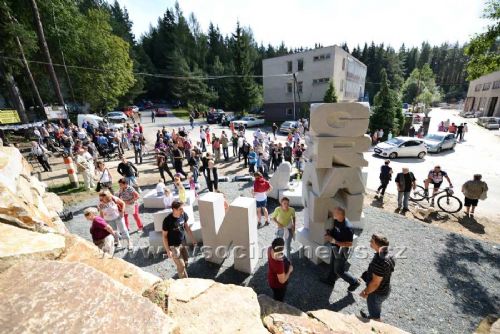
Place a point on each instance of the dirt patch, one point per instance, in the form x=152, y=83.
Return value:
x=477, y=227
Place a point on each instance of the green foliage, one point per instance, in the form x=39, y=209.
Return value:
x=387, y=113
x=330, y=94
x=484, y=49
x=421, y=81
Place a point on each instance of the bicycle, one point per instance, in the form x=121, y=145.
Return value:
x=446, y=202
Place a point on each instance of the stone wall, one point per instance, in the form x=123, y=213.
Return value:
x=54, y=282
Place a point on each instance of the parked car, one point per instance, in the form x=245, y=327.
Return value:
x=215, y=116
x=97, y=121
x=117, y=116
x=159, y=112
x=436, y=142
x=228, y=119
x=401, y=147
x=489, y=123
x=249, y=121
x=288, y=126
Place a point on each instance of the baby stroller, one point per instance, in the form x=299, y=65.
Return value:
x=108, y=152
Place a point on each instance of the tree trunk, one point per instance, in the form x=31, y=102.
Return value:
x=14, y=93
x=45, y=50
x=38, y=98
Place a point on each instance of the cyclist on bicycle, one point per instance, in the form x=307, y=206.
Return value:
x=435, y=177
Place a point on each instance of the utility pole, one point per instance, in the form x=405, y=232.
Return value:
x=45, y=49
x=294, y=80
x=38, y=98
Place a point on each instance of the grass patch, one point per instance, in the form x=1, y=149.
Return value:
x=181, y=113
x=66, y=189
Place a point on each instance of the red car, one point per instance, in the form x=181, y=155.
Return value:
x=160, y=112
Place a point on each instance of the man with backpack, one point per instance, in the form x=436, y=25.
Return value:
x=377, y=277
x=287, y=153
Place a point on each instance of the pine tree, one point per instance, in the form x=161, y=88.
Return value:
x=386, y=108
x=330, y=95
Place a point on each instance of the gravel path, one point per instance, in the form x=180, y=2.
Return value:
x=445, y=283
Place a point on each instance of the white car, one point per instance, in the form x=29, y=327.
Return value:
x=249, y=121
x=117, y=117
x=401, y=147
x=489, y=123
x=288, y=126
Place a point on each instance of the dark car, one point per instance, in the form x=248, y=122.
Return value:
x=159, y=112
x=215, y=116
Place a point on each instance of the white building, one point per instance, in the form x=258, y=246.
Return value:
x=483, y=95
x=313, y=71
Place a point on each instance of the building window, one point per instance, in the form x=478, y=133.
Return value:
x=327, y=56
x=320, y=81
x=289, y=111
x=341, y=85
x=487, y=86
x=300, y=65
x=289, y=66
x=299, y=86
x=478, y=87
x=321, y=57
x=343, y=64
x=289, y=87
x=496, y=84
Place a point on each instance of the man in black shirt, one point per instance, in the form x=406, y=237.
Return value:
x=385, y=177
x=174, y=239
x=130, y=172
x=405, y=182
x=340, y=236
x=177, y=155
x=377, y=277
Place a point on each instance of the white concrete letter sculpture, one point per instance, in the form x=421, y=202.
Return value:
x=332, y=174
x=237, y=226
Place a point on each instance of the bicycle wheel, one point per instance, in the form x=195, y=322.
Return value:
x=418, y=194
x=449, y=203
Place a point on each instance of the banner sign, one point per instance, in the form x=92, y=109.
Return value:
x=55, y=112
x=9, y=116
x=22, y=126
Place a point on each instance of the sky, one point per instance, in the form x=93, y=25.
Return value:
x=306, y=22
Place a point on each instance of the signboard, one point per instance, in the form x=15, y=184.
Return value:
x=55, y=112
x=9, y=116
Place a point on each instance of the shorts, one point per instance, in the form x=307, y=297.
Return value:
x=436, y=184
x=470, y=202
x=262, y=204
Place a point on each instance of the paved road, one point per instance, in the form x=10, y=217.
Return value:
x=477, y=154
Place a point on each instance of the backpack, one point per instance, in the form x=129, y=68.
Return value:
x=287, y=152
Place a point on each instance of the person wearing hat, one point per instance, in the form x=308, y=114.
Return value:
x=279, y=269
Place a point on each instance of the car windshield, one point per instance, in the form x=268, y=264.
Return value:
x=288, y=123
x=395, y=141
x=434, y=137
x=115, y=113
x=247, y=118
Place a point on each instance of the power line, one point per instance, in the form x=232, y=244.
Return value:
x=156, y=75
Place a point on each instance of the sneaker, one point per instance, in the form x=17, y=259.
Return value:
x=364, y=315
x=426, y=192
x=432, y=204
x=354, y=286
x=266, y=223
x=259, y=225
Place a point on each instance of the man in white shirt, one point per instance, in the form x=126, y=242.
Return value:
x=85, y=165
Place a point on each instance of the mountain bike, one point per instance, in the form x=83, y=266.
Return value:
x=445, y=199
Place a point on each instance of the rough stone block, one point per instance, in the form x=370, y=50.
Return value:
x=159, y=216
x=65, y=297
x=317, y=230
x=83, y=251
x=280, y=179
x=17, y=244
x=237, y=226
x=210, y=308
x=153, y=201
x=344, y=119
x=346, y=151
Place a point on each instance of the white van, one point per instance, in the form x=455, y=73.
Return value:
x=97, y=121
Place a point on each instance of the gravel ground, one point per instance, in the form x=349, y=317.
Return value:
x=445, y=283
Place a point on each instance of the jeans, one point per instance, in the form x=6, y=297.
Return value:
x=132, y=181
x=338, y=267
x=203, y=146
x=251, y=168
x=403, y=197
x=374, y=303
x=280, y=233
x=383, y=186
x=225, y=152
x=279, y=293
x=118, y=224
x=138, y=156
x=178, y=167
x=235, y=151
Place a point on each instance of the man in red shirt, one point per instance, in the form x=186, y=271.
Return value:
x=279, y=269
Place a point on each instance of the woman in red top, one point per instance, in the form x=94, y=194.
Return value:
x=103, y=235
x=279, y=269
